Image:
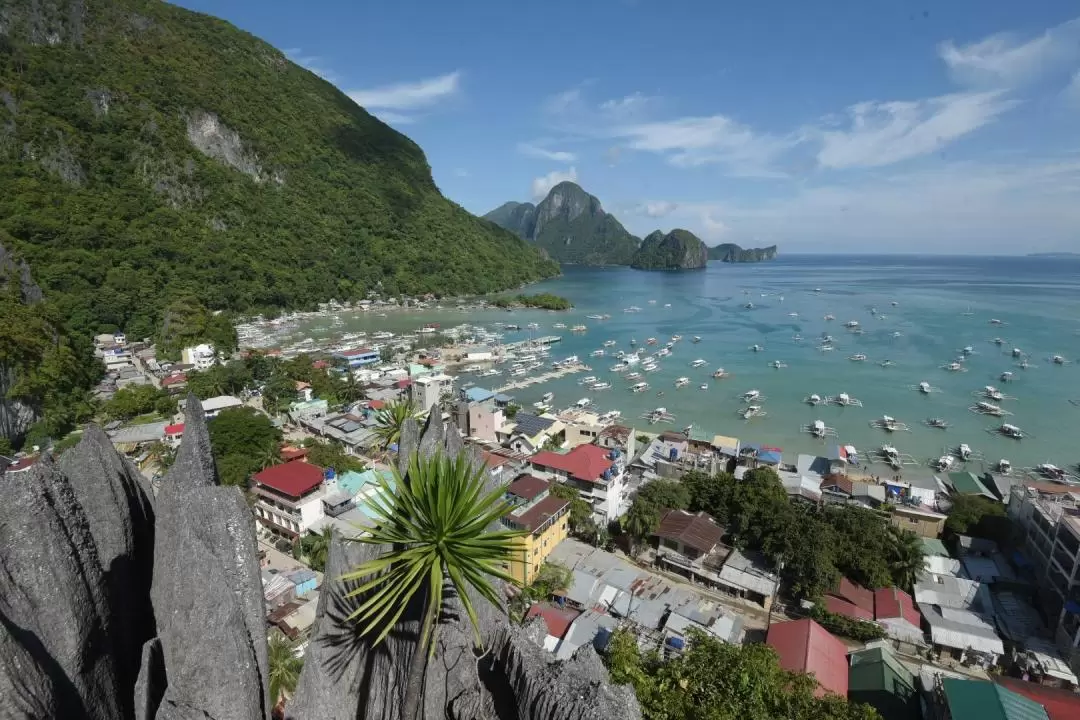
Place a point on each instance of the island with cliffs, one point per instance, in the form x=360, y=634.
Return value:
x=677, y=250
x=732, y=253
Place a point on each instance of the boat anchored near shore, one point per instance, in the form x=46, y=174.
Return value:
x=819, y=429
x=843, y=400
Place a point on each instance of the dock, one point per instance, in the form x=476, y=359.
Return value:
x=545, y=340
x=545, y=377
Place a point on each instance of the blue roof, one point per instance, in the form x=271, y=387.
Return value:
x=477, y=394
x=769, y=456
x=503, y=398
x=353, y=482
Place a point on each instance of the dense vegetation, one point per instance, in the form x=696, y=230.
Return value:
x=570, y=226
x=546, y=301
x=712, y=680
x=815, y=545
x=297, y=194
x=859, y=630
x=732, y=253
x=135, y=400
x=678, y=250
x=244, y=441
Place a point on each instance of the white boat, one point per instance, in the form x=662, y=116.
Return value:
x=663, y=352
x=682, y=382
x=1011, y=431
x=1058, y=360
x=650, y=366
x=697, y=339
x=633, y=376
x=851, y=324
x=998, y=341
x=595, y=317
x=1006, y=376
x=596, y=353
x=814, y=399
x=857, y=357
x=532, y=326
x=609, y=343
x=491, y=372
x=897, y=334
x=650, y=341
x=547, y=397
x=1050, y=471
x=698, y=363
x=894, y=303
x=600, y=386
x=944, y=462
x=579, y=328
x=541, y=406
x=995, y=321
x=749, y=306
x=829, y=318
x=936, y=422
x=756, y=348
x=559, y=326
x=843, y=400
x=588, y=380
x=886, y=363
x=640, y=387
x=703, y=386
x=1003, y=466
x=609, y=416
x=793, y=314
x=1017, y=352
x=518, y=372
x=675, y=338
x=993, y=393
x=954, y=367
x=964, y=452
x=720, y=373
x=924, y=388
x=751, y=395
x=571, y=360
x=967, y=350
x=752, y=411
x=777, y=365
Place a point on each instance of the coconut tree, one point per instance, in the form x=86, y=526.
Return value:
x=316, y=548
x=162, y=454
x=906, y=557
x=434, y=527
x=285, y=667
x=391, y=418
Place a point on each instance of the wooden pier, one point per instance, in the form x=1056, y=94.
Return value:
x=548, y=376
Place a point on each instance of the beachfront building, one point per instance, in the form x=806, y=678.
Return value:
x=288, y=497
x=201, y=357
x=542, y=516
x=427, y=390
x=920, y=520
x=358, y=357
x=598, y=475
x=582, y=428
x=1048, y=515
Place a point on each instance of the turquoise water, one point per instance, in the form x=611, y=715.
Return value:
x=944, y=304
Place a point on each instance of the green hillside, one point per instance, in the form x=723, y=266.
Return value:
x=678, y=250
x=149, y=153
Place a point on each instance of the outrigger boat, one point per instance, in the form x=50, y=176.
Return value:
x=813, y=399
x=954, y=367
x=987, y=408
x=752, y=396
x=698, y=363
x=939, y=423
x=889, y=424
x=844, y=400
x=1009, y=431
x=819, y=430
x=720, y=373
x=682, y=382
x=893, y=457
x=1003, y=466
x=660, y=414
x=752, y=411
x=990, y=393
x=756, y=348
x=777, y=365
x=640, y=387
x=857, y=357
x=944, y=463
x=696, y=340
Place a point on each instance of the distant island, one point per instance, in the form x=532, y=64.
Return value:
x=1051, y=255
x=546, y=301
x=731, y=253
x=678, y=250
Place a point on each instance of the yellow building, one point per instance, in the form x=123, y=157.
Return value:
x=545, y=518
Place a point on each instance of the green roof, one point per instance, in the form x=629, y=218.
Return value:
x=933, y=546
x=981, y=700
x=967, y=483
x=877, y=678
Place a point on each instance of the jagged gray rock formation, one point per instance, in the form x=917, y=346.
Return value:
x=345, y=678
x=114, y=606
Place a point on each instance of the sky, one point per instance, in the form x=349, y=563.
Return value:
x=825, y=126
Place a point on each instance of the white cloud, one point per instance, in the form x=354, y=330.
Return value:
x=883, y=133
x=629, y=108
x=693, y=141
x=542, y=185
x=391, y=102
x=535, y=151
x=659, y=208
x=957, y=208
x=1003, y=60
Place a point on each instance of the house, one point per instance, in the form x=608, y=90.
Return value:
x=836, y=488
x=289, y=497
x=303, y=391
x=877, y=678
x=962, y=635
x=850, y=600
x=726, y=627
x=967, y=483
x=304, y=580
x=477, y=416
x=174, y=382
x=841, y=457
x=582, y=428
x=428, y=390
x=916, y=488
x=895, y=610
x=761, y=455
x=617, y=437
x=213, y=406
x=962, y=699
x=173, y=434
x=358, y=357
x=806, y=647
x=540, y=514
x=499, y=466
x=869, y=495
x=747, y=576
x=527, y=432
x=557, y=620
x=692, y=535
x=726, y=446
x=595, y=472
x=924, y=523
x=201, y=357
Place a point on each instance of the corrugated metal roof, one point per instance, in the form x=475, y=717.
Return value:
x=988, y=701
x=805, y=646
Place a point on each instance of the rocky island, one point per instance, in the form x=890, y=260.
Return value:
x=677, y=250
x=732, y=253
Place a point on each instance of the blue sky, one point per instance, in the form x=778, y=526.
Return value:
x=836, y=125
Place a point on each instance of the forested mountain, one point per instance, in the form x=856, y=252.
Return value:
x=570, y=226
x=732, y=253
x=677, y=250
x=149, y=153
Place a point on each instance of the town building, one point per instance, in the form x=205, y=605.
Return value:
x=692, y=535
x=596, y=473
x=358, y=357
x=962, y=699
x=174, y=434
x=877, y=678
x=200, y=357
x=895, y=610
x=923, y=522
x=540, y=514
x=806, y=647
x=428, y=390
x=289, y=497
x=850, y=600
x=528, y=433
x=213, y=406
x=477, y=416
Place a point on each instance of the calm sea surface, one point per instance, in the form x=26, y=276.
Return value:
x=943, y=305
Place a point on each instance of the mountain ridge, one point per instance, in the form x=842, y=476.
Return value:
x=676, y=250
x=732, y=253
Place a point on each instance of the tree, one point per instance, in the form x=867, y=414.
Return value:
x=330, y=454
x=906, y=558
x=162, y=454
x=978, y=516
x=278, y=393
x=134, y=400
x=316, y=548
x=391, y=418
x=665, y=494
x=243, y=441
x=640, y=522
x=433, y=530
x=285, y=667
x=386, y=354
x=580, y=518
x=551, y=578
x=511, y=410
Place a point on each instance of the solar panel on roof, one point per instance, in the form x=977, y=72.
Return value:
x=531, y=424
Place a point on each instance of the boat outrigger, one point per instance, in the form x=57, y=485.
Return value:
x=889, y=424
x=1003, y=467
x=857, y=357
x=813, y=399
x=658, y=415
x=843, y=400
x=892, y=457
x=936, y=422
x=752, y=396
x=682, y=382
x=640, y=387
x=752, y=411
x=819, y=430
x=720, y=373
x=1009, y=431
x=954, y=367
x=698, y=363
x=991, y=393
x=988, y=408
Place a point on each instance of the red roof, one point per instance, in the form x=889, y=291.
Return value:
x=494, y=460
x=842, y=607
x=1059, y=704
x=558, y=620
x=403, y=383
x=174, y=380
x=177, y=429
x=584, y=462
x=376, y=404
x=293, y=453
x=22, y=463
x=354, y=353
x=854, y=594
x=292, y=478
x=527, y=487
x=320, y=364
x=841, y=483
x=805, y=646
x=895, y=603
x=535, y=517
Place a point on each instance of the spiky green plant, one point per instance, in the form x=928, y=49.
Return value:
x=434, y=525
x=390, y=419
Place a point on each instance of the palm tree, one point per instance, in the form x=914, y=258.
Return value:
x=285, y=667
x=435, y=526
x=316, y=547
x=162, y=455
x=270, y=455
x=906, y=557
x=391, y=418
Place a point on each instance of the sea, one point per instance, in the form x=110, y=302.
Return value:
x=917, y=312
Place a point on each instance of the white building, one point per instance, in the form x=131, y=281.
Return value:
x=212, y=406
x=201, y=356
x=289, y=497
x=427, y=389
x=596, y=472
